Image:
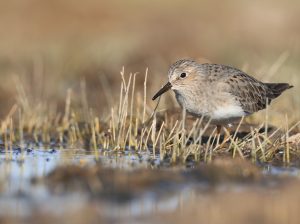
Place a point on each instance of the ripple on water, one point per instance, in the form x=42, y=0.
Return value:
x=19, y=167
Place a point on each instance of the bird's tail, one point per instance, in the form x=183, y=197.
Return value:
x=277, y=88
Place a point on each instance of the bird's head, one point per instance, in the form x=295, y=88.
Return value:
x=182, y=74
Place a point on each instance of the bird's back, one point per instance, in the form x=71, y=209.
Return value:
x=252, y=94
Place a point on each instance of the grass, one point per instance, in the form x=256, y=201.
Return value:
x=133, y=124
x=60, y=88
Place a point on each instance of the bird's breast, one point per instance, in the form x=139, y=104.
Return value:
x=217, y=105
x=195, y=104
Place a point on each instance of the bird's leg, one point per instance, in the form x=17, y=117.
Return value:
x=226, y=135
x=227, y=131
x=219, y=129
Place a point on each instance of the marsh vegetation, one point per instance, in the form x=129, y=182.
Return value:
x=81, y=140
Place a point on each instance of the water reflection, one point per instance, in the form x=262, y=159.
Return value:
x=19, y=197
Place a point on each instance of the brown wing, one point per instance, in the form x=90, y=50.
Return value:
x=250, y=93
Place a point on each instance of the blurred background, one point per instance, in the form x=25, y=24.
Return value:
x=48, y=48
x=51, y=46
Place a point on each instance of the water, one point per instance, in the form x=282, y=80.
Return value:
x=280, y=171
x=19, y=197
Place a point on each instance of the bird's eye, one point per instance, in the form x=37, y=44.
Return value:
x=183, y=75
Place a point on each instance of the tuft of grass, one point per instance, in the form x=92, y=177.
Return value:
x=133, y=125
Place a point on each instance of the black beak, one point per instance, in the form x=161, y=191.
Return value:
x=162, y=90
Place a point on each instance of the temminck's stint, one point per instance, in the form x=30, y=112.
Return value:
x=220, y=93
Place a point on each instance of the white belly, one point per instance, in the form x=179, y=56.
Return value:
x=220, y=107
x=227, y=112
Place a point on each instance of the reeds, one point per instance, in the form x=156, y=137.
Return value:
x=133, y=125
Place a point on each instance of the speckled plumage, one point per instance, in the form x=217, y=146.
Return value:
x=219, y=92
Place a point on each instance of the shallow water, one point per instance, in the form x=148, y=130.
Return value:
x=19, y=197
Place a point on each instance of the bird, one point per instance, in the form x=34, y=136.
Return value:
x=220, y=93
